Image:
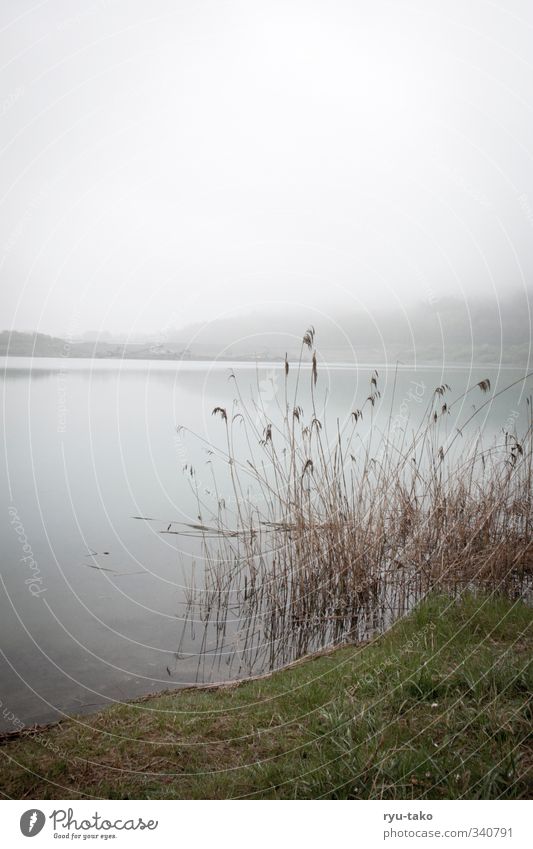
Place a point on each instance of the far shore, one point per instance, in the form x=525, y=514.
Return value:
x=360, y=355
x=272, y=362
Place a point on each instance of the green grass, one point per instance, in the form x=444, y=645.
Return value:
x=440, y=707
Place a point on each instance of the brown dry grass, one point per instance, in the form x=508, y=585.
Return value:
x=330, y=537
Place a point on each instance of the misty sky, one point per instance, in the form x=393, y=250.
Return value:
x=168, y=162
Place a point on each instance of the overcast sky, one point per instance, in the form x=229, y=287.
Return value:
x=168, y=162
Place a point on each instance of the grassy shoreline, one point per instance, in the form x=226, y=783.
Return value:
x=439, y=707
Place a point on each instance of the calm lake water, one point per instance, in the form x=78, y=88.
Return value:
x=92, y=599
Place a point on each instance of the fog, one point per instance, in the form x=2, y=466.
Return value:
x=170, y=164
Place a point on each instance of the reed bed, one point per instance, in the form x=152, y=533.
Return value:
x=328, y=537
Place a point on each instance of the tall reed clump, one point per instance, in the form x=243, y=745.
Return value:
x=328, y=536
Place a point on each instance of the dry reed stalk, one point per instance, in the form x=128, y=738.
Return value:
x=345, y=535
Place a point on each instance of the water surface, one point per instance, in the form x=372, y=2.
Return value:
x=93, y=599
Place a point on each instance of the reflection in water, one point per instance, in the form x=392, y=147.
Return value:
x=332, y=537
x=131, y=606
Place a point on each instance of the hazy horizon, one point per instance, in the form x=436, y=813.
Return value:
x=171, y=165
x=446, y=329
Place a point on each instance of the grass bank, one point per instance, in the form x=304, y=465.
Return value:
x=440, y=707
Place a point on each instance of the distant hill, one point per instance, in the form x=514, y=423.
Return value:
x=19, y=344
x=449, y=330
x=445, y=329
